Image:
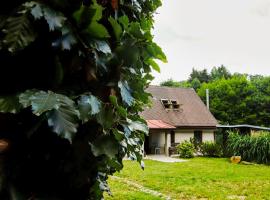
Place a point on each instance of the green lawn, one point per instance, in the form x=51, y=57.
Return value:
x=199, y=178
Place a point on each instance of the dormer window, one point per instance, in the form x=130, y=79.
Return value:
x=166, y=103
x=175, y=104
x=170, y=104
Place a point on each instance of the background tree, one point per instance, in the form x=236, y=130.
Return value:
x=219, y=73
x=234, y=98
x=171, y=83
x=72, y=82
x=202, y=75
x=230, y=100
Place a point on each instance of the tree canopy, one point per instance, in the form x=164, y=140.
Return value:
x=234, y=98
x=72, y=81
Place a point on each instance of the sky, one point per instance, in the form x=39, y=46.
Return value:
x=206, y=33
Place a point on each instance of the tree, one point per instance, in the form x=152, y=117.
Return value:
x=72, y=82
x=202, y=76
x=171, y=83
x=195, y=84
x=219, y=73
x=231, y=100
x=260, y=100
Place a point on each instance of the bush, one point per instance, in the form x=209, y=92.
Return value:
x=211, y=149
x=186, y=149
x=72, y=83
x=250, y=148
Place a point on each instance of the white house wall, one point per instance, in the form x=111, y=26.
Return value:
x=157, y=139
x=182, y=135
x=208, y=136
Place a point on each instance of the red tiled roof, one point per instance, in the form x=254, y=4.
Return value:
x=193, y=111
x=159, y=124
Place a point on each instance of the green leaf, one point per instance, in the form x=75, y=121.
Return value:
x=86, y=15
x=88, y=105
x=101, y=46
x=106, y=117
x=67, y=40
x=116, y=28
x=113, y=100
x=119, y=135
x=64, y=121
x=155, y=51
x=60, y=110
x=122, y=111
x=105, y=145
x=25, y=97
x=54, y=19
x=124, y=21
x=9, y=104
x=137, y=126
x=98, y=11
x=37, y=11
x=125, y=92
x=19, y=32
x=153, y=64
x=97, y=30
x=136, y=31
x=93, y=15
x=44, y=101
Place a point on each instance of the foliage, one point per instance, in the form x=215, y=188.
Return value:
x=230, y=100
x=72, y=81
x=234, y=98
x=220, y=73
x=171, y=83
x=211, y=149
x=186, y=180
x=186, y=149
x=203, y=76
x=260, y=100
x=250, y=148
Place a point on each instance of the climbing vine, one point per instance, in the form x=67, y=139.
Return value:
x=72, y=83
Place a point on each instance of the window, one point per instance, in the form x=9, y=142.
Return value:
x=166, y=103
x=175, y=104
x=198, y=136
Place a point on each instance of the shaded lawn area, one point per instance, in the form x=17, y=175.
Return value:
x=199, y=178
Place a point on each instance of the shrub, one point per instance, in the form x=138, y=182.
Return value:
x=250, y=148
x=211, y=149
x=186, y=149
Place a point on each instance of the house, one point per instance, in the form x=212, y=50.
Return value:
x=177, y=114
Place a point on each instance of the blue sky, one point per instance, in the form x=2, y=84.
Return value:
x=207, y=33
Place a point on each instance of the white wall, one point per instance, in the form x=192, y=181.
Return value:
x=208, y=136
x=182, y=135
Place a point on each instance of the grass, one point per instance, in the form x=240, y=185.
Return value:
x=199, y=178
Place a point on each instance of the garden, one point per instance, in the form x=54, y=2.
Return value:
x=199, y=178
x=209, y=176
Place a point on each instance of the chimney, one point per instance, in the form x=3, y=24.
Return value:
x=207, y=98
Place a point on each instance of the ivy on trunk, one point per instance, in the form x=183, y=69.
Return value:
x=72, y=82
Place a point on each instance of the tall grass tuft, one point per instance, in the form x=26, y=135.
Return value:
x=250, y=148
